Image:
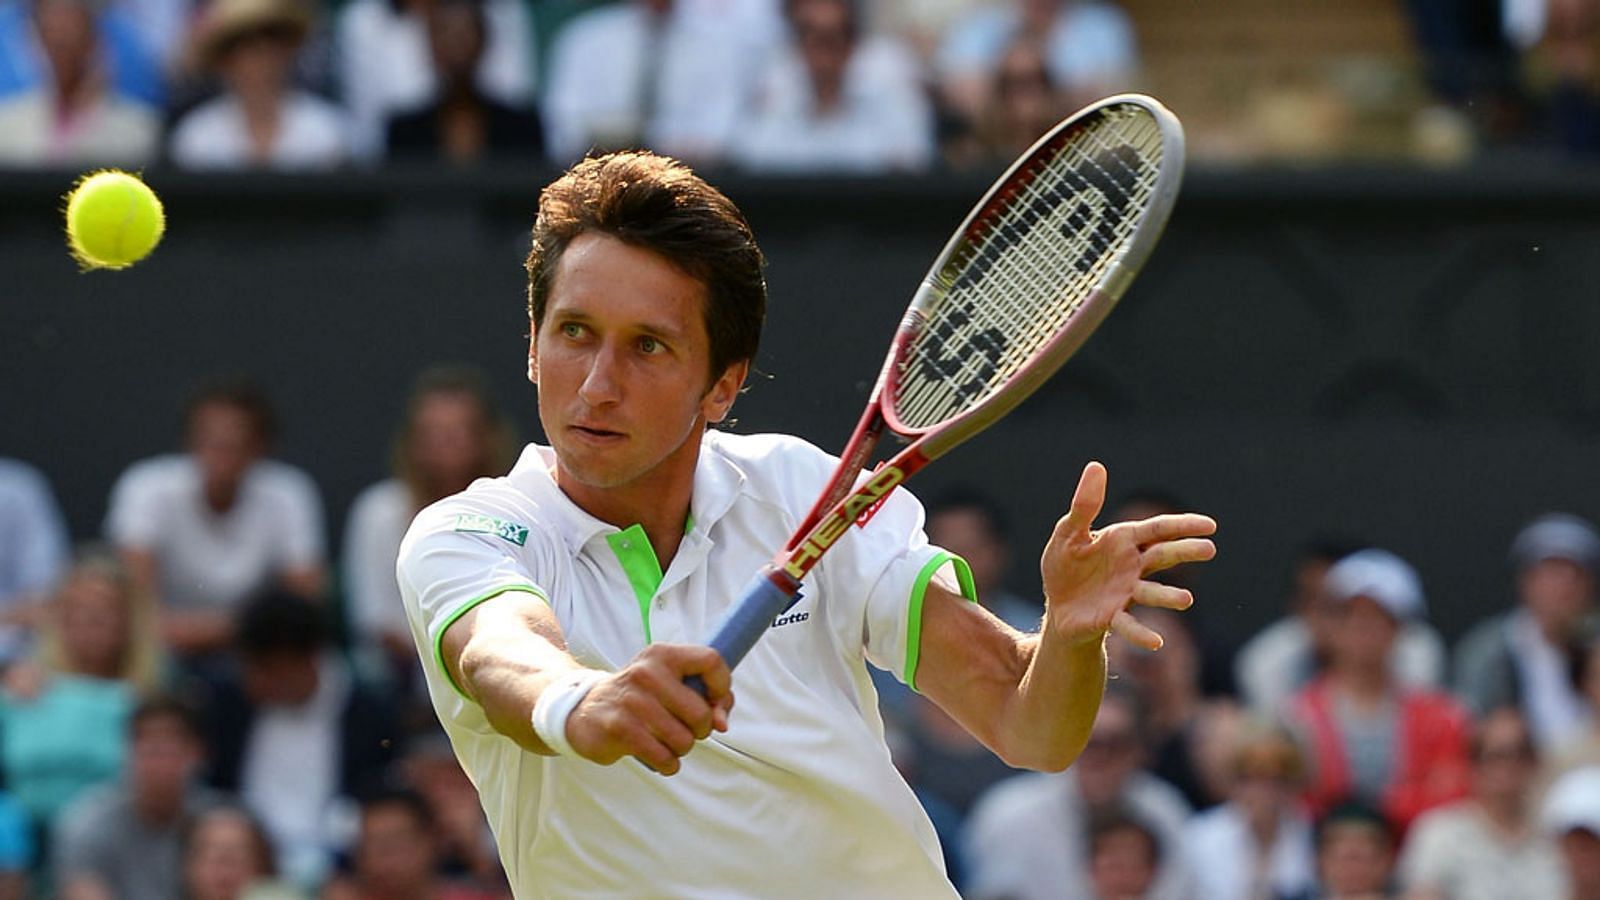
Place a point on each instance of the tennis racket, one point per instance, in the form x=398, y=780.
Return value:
x=1023, y=283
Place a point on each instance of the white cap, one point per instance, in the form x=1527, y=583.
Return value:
x=1381, y=576
x=1557, y=536
x=1573, y=802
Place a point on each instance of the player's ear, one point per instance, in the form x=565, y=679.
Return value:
x=719, y=399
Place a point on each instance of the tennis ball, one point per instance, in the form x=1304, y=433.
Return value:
x=113, y=220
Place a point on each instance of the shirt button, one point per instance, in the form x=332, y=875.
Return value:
x=661, y=603
x=626, y=545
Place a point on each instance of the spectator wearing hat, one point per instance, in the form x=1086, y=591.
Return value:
x=1571, y=816
x=72, y=116
x=260, y=120
x=1524, y=657
x=1369, y=738
x=1488, y=846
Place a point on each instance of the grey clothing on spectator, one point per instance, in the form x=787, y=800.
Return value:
x=103, y=835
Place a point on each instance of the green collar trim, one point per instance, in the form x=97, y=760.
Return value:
x=638, y=560
x=919, y=591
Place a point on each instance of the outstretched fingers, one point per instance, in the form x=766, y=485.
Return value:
x=1130, y=629
x=1087, y=501
x=1172, y=526
x=1167, y=554
x=1165, y=596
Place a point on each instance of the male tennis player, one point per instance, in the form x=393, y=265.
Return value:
x=559, y=607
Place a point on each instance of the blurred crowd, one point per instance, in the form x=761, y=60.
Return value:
x=200, y=703
x=854, y=86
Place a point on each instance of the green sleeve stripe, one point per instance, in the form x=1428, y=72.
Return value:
x=469, y=606
x=919, y=590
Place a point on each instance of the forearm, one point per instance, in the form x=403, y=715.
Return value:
x=1045, y=722
x=503, y=655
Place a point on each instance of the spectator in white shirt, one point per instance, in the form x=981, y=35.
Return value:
x=1258, y=844
x=1487, y=846
x=1571, y=816
x=33, y=551
x=453, y=434
x=1089, y=48
x=671, y=75
x=838, y=100
x=261, y=119
x=207, y=529
x=73, y=116
x=384, y=62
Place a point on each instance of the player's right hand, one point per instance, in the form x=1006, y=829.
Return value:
x=646, y=711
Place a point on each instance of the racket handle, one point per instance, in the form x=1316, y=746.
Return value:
x=764, y=600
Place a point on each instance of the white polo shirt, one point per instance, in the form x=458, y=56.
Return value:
x=799, y=798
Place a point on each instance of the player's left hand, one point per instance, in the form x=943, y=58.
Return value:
x=1092, y=576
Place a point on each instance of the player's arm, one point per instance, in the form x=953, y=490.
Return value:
x=1032, y=699
x=505, y=652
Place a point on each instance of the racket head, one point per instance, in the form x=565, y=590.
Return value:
x=1033, y=269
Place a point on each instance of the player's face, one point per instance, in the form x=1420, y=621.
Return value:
x=622, y=360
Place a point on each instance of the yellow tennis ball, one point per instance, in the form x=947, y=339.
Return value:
x=113, y=220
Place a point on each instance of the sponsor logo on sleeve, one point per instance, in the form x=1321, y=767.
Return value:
x=514, y=532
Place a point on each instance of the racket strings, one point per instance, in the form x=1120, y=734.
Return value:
x=1023, y=275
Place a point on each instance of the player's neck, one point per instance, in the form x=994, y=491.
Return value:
x=657, y=502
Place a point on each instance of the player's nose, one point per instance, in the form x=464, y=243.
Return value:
x=601, y=383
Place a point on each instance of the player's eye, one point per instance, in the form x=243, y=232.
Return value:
x=571, y=329
x=650, y=345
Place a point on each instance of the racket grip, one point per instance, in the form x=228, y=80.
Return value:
x=764, y=600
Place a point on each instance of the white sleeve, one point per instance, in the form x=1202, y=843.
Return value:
x=444, y=571
x=884, y=567
x=304, y=542
x=133, y=515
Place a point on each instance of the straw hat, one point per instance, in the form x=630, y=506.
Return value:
x=225, y=22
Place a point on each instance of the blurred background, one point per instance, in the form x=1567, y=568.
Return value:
x=1372, y=323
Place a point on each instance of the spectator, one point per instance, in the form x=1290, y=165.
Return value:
x=261, y=120
x=1028, y=836
x=63, y=717
x=33, y=552
x=1583, y=747
x=1258, y=844
x=124, y=60
x=462, y=125
x=1571, y=816
x=837, y=100
x=1089, y=49
x=1523, y=657
x=384, y=47
x=1355, y=854
x=296, y=717
x=16, y=849
x=1283, y=657
x=207, y=529
x=672, y=75
x=124, y=840
x=228, y=856
x=453, y=434
x=1124, y=857
x=1022, y=102
x=974, y=527
x=1181, y=723
x=1371, y=739
x=71, y=116
x=397, y=856
x=466, y=845
x=1487, y=846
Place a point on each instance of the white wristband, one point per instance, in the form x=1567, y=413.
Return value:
x=555, y=705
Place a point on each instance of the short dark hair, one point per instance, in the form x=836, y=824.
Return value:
x=1354, y=813
x=963, y=497
x=658, y=204
x=1119, y=819
x=403, y=799
x=280, y=622
x=169, y=708
x=241, y=394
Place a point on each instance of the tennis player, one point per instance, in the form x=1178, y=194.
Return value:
x=558, y=608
